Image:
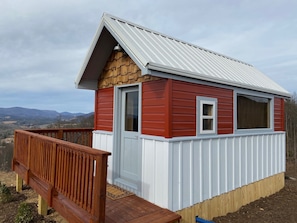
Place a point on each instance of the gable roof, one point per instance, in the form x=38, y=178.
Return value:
x=161, y=55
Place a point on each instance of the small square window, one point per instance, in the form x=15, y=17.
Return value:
x=206, y=115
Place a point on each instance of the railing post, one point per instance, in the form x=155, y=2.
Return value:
x=100, y=189
x=16, y=139
x=28, y=161
x=52, y=175
x=18, y=179
x=90, y=139
x=60, y=134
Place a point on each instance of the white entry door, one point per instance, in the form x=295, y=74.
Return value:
x=129, y=151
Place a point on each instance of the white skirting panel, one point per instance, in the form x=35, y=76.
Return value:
x=155, y=170
x=204, y=168
x=180, y=172
x=104, y=141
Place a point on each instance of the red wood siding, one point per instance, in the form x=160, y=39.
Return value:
x=169, y=108
x=184, y=107
x=153, y=107
x=104, y=109
x=279, y=114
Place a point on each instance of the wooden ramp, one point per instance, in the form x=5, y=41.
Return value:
x=134, y=209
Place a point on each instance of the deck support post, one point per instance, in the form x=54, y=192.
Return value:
x=18, y=183
x=42, y=206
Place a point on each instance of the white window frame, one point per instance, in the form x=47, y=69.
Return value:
x=200, y=117
x=255, y=130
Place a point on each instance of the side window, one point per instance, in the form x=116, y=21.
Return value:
x=253, y=112
x=206, y=115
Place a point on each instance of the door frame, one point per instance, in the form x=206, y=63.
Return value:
x=117, y=122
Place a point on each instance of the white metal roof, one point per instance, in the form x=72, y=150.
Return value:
x=156, y=52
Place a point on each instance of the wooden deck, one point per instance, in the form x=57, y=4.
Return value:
x=71, y=177
x=134, y=209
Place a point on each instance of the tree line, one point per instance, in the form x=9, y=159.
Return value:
x=291, y=127
x=86, y=121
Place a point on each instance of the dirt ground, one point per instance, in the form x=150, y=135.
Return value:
x=280, y=207
x=9, y=210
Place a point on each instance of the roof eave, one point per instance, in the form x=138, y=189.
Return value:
x=80, y=75
x=152, y=67
x=87, y=85
x=97, y=55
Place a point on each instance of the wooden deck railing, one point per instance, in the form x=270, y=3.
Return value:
x=82, y=136
x=70, y=177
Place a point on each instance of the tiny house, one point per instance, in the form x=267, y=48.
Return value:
x=189, y=129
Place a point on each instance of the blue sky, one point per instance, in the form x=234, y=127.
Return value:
x=43, y=44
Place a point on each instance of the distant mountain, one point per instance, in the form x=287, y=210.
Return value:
x=17, y=113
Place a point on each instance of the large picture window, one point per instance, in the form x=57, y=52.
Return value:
x=252, y=112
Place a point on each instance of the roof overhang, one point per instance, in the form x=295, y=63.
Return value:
x=99, y=52
x=167, y=72
x=101, y=48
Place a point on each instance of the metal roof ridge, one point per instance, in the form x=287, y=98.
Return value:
x=173, y=38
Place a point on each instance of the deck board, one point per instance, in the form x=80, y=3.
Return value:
x=134, y=209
